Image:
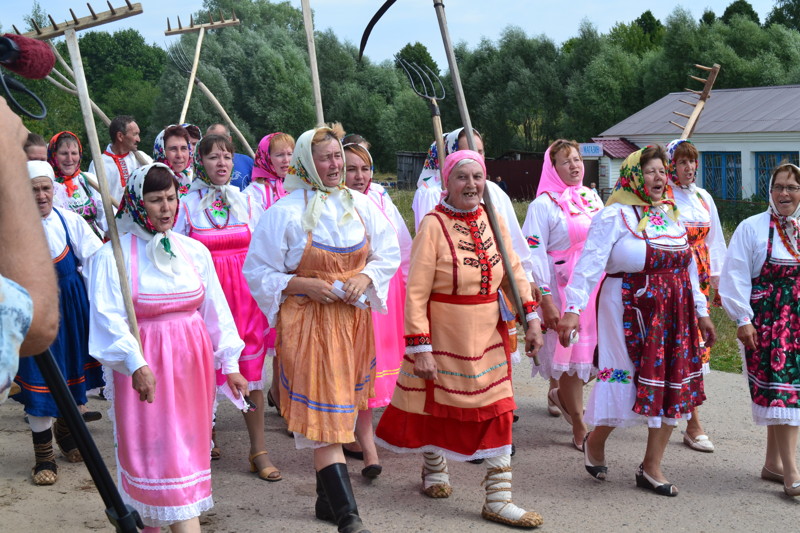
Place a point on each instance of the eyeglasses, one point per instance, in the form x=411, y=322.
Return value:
x=780, y=188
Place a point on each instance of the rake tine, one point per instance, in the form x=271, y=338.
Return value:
x=410, y=77
x=430, y=80
x=416, y=70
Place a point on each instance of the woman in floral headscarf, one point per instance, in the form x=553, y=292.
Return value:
x=223, y=219
x=648, y=312
x=173, y=147
x=760, y=290
x=555, y=227
x=64, y=154
x=162, y=393
x=704, y=230
x=320, y=236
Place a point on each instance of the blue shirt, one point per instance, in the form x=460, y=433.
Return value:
x=242, y=170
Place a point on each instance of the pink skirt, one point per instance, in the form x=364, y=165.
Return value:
x=389, y=342
x=163, y=448
x=250, y=322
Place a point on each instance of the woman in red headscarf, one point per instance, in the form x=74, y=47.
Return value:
x=64, y=154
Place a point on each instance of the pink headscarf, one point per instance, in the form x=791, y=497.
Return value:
x=262, y=168
x=551, y=182
x=453, y=159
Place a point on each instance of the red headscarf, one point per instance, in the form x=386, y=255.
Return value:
x=51, y=158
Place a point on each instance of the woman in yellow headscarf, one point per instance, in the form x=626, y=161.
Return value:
x=649, y=309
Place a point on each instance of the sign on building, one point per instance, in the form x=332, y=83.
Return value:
x=591, y=150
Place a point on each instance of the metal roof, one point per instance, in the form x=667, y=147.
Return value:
x=616, y=147
x=756, y=109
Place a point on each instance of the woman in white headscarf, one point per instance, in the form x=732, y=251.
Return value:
x=319, y=234
x=162, y=393
x=760, y=290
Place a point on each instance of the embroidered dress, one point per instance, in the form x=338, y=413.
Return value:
x=325, y=351
x=228, y=240
x=556, y=237
x=649, y=370
x=706, y=240
x=70, y=349
x=760, y=284
x=162, y=449
x=89, y=205
x=453, y=309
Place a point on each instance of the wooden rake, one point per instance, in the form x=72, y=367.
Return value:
x=201, y=30
x=178, y=56
x=428, y=80
x=702, y=96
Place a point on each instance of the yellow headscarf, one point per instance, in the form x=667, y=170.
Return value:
x=302, y=174
x=630, y=190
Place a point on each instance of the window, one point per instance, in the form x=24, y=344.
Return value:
x=722, y=174
x=765, y=164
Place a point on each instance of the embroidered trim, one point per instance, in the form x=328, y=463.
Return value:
x=530, y=307
x=410, y=350
x=417, y=339
x=614, y=375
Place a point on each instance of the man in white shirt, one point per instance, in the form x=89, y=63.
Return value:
x=121, y=158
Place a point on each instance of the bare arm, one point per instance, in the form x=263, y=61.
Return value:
x=25, y=258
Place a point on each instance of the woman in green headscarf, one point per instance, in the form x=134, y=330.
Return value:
x=649, y=307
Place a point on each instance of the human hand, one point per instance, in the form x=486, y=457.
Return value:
x=533, y=338
x=318, y=290
x=425, y=366
x=707, y=330
x=355, y=287
x=568, y=323
x=144, y=382
x=748, y=336
x=549, y=312
x=536, y=293
x=237, y=384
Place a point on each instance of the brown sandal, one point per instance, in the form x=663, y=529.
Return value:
x=267, y=472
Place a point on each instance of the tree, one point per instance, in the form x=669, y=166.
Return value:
x=643, y=34
x=708, y=17
x=740, y=8
x=786, y=13
x=417, y=53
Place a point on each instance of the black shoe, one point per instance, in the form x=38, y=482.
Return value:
x=335, y=483
x=513, y=450
x=92, y=416
x=353, y=454
x=646, y=482
x=372, y=471
x=596, y=471
x=476, y=461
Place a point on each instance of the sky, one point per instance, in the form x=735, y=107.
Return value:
x=408, y=21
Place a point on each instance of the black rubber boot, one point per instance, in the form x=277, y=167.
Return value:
x=335, y=483
x=322, y=509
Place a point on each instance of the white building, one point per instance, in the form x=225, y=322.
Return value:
x=742, y=135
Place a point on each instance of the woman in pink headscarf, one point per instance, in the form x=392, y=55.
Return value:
x=271, y=164
x=556, y=227
x=454, y=398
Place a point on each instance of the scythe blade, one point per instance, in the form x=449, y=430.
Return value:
x=384, y=8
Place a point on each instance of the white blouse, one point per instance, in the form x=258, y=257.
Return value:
x=545, y=228
x=190, y=207
x=110, y=340
x=746, y=255
x=112, y=172
x=613, y=245
x=694, y=212
x=279, y=241
x=381, y=198
x=84, y=242
x=426, y=198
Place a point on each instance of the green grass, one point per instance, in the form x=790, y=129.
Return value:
x=725, y=353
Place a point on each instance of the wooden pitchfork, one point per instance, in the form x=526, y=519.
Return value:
x=428, y=92
x=702, y=96
x=178, y=56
